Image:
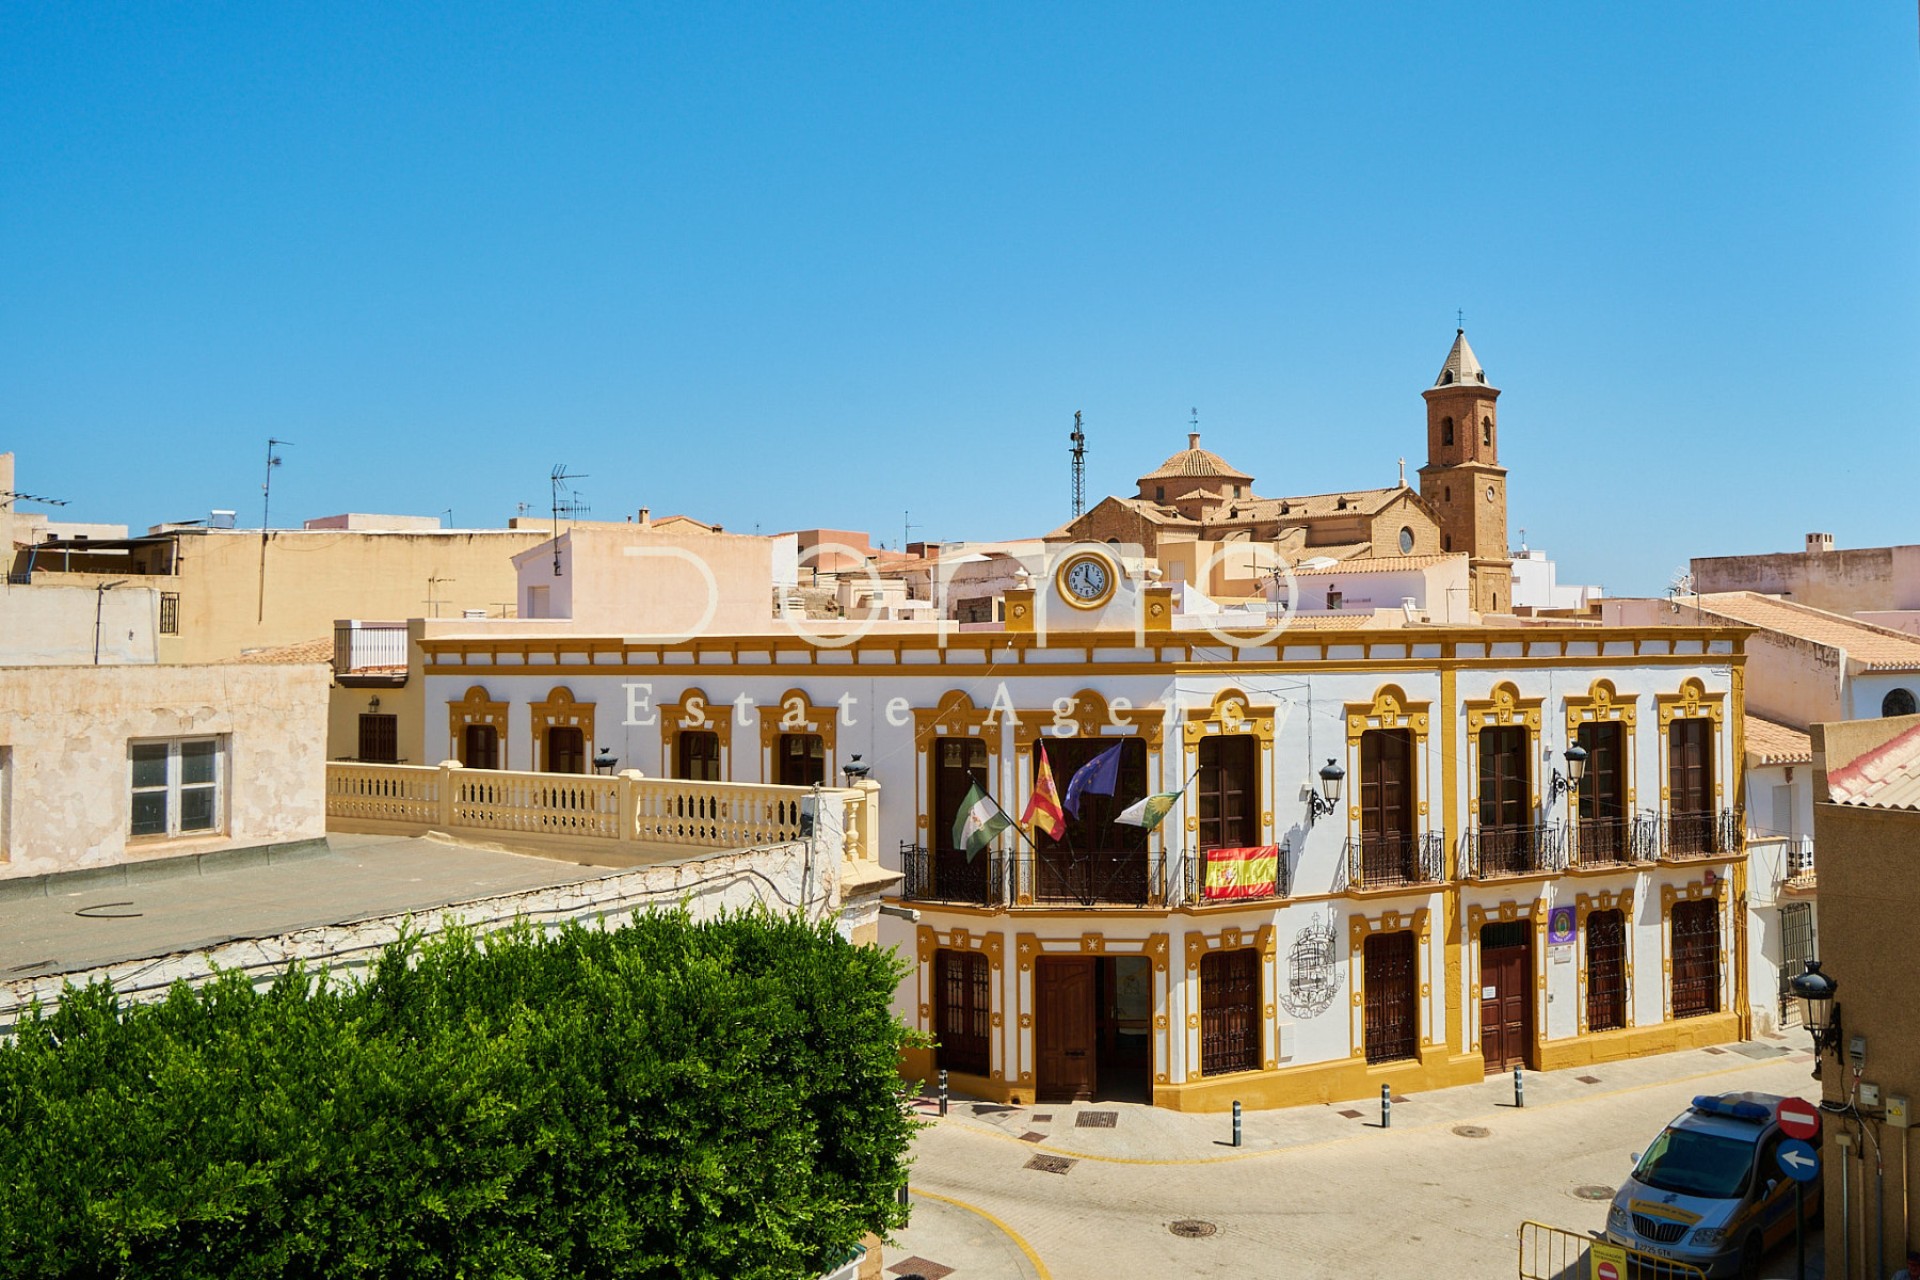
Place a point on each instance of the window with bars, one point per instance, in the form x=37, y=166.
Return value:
x=1696, y=958
x=176, y=787
x=379, y=738
x=1229, y=792
x=1229, y=1012
x=1390, y=971
x=1606, y=971
x=169, y=613
x=962, y=1011
x=802, y=760
x=696, y=755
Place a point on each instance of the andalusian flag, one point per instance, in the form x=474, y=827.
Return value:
x=1043, y=806
x=1243, y=873
x=1148, y=813
x=979, y=821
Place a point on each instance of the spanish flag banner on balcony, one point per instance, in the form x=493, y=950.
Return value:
x=1043, y=806
x=1243, y=873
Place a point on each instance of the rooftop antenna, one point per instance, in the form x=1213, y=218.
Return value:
x=8, y=497
x=906, y=529
x=266, y=506
x=1079, y=439
x=434, y=581
x=571, y=507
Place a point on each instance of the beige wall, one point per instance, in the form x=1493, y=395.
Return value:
x=1843, y=581
x=43, y=625
x=1869, y=870
x=634, y=580
x=65, y=734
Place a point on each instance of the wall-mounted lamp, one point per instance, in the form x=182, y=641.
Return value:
x=373, y=705
x=604, y=763
x=1319, y=806
x=855, y=770
x=1561, y=784
x=1821, y=1012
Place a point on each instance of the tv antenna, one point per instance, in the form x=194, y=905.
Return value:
x=565, y=503
x=8, y=497
x=266, y=506
x=1079, y=439
x=435, y=581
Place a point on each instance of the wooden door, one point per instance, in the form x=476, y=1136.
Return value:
x=1603, y=794
x=1390, y=970
x=1065, y=1031
x=1690, y=785
x=1386, y=806
x=1505, y=833
x=1606, y=971
x=1226, y=792
x=566, y=750
x=1696, y=957
x=1506, y=995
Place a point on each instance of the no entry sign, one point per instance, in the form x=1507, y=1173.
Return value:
x=1798, y=1118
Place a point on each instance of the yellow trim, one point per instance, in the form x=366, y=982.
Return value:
x=1033, y=1259
x=1534, y=911
x=928, y=942
x=695, y=712
x=1595, y=1047
x=476, y=707
x=794, y=712
x=1233, y=715
x=1692, y=891
x=1390, y=709
x=560, y=711
x=1263, y=939
x=1620, y=900
x=1360, y=926
x=1072, y=562
x=1504, y=708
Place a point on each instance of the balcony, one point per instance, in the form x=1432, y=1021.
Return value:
x=1392, y=861
x=1614, y=842
x=1054, y=878
x=952, y=878
x=1489, y=853
x=1684, y=836
x=370, y=649
x=1195, y=890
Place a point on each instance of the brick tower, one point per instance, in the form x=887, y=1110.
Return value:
x=1463, y=479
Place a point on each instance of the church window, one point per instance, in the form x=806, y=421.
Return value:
x=1446, y=541
x=1406, y=542
x=1446, y=493
x=1446, y=431
x=1486, y=431
x=1446, y=378
x=1489, y=493
x=1900, y=702
x=1159, y=493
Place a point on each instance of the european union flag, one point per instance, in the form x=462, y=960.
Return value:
x=1097, y=777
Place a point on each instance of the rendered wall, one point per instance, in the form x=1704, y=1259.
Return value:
x=66, y=732
x=47, y=625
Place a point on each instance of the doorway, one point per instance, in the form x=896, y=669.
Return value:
x=1506, y=994
x=1093, y=1025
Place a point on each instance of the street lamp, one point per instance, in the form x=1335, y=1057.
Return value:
x=1561, y=784
x=1331, y=776
x=1821, y=1013
x=603, y=764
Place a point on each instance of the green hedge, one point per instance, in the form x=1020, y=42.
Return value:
x=668, y=1099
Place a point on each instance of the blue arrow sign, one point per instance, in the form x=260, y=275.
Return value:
x=1798, y=1160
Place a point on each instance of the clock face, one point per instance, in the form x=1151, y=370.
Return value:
x=1086, y=580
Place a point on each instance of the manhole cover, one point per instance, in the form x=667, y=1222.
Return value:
x=1050, y=1164
x=1192, y=1228
x=1593, y=1191
x=1474, y=1131
x=1096, y=1119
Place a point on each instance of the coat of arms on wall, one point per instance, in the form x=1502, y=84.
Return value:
x=1313, y=971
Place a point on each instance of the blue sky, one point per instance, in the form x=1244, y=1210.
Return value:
x=819, y=265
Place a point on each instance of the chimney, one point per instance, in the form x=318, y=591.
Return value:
x=1193, y=439
x=646, y=518
x=1818, y=542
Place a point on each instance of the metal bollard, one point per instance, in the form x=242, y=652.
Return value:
x=1236, y=1122
x=1386, y=1106
x=943, y=1091
x=1519, y=1088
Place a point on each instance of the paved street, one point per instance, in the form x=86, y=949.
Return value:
x=1313, y=1191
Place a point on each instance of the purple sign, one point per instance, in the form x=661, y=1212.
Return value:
x=1560, y=926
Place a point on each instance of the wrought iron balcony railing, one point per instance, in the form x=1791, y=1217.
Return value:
x=1700, y=835
x=1206, y=878
x=1614, y=842
x=952, y=877
x=1095, y=878
x=1490, y=852
x=1387, y=861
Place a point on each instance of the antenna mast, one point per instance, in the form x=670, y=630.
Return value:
x=1079, y=439
x=570, y=506
x=266, y=505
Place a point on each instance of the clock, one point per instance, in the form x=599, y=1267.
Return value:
x=1086, y=581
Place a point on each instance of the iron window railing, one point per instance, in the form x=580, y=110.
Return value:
x=1488, y=852
x=1387, y=861
x=1614, y=842
x=1194, y=887
x=1700, y=835
x=952, y=877
x=1060, y=877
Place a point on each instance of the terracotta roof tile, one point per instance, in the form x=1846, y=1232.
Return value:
x=1770, y=742
x=1318, y=505
x=1195, y=461
x=304, y=651
x=1381, y=564
x=1877, y=648
x=1886, y=777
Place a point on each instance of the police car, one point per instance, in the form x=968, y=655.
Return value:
x=1710, y=1190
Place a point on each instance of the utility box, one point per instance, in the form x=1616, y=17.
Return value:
x=1897, y=1112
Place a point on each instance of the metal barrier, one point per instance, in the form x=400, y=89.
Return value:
x=1555, y=1253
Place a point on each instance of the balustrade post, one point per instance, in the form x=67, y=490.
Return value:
x=446, y=782
x=626, y=805
x=869, y=819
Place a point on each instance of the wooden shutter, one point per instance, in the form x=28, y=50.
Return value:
x=962, y=1011
x=379, y=738
x=697, y=755
x=1696, y=958
x=1606, y=971
x=1503, y=777
x=1228, y=794
x=566, y=750
x=803, y=760
x=1690, y=766
x=1391, y=978
x=482, y=743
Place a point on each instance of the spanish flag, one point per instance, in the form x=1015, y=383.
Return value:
x=1243, y=873
x=1043, y=806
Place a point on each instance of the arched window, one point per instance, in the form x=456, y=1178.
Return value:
x=1900, y=702
x=1486, y=431
x=1446, y=431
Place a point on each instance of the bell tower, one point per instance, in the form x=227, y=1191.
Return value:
x=1463, y=480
